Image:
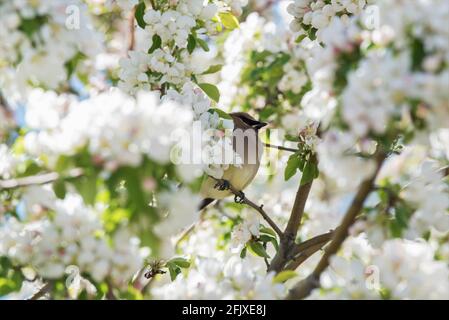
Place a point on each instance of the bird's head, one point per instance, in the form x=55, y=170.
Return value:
x=248, y=120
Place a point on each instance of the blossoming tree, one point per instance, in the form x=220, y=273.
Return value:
x=351, y=200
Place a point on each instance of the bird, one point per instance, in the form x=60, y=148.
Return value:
x=247, y=145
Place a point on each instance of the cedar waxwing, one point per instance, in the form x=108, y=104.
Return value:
x=247, y=145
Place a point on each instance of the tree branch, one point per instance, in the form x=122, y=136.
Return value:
x=41, y=292
x=306, y=249
x=303, y=288
x=132, y=36
x=444, y=171
x=39, y=179
x=291, y=230
x=297, y=212
x=320, y=239
x=5, y=106
x=259, y=209
x=268, y=145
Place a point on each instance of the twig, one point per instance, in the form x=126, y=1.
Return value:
x=325, y=237
x=444, y=171
x=3, y=101
x=5, y=105
x=268, y=145
x=110, y=293
x=259, y=209
x=184, y=234
x=303, y=288
x=39, y=179
x=132, y=36
x=41, y=292
x=145, y=277
x=264, y=215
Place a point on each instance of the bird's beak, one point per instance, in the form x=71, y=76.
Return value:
x=260, y=125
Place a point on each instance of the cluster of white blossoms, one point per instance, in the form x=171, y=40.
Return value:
x=116, y=128
x=39, y=38
x=171, y=31
x=245, y=231
x=72, y=236
x=429, y=195
x=400, y=269
x=386, y=78
x=409, y=76
x=391, y=85
x=316, y=15
x=141, y=70
x=440, y=144
x=170, y=25
x=8, y=161
x=219, y=275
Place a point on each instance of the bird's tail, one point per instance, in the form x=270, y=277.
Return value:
x=204, y=203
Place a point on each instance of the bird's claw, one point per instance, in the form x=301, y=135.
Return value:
x=239, y=198
x=222, y=185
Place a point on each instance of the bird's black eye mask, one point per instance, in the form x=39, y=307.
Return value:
x=253, y=122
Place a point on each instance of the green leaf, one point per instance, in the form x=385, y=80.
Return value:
x=213, y=69
x=87, y=188
x=402, y=217
x=174, y=270
x=300, y=38
x=211, y=91
x=10, y=278
x=203, y=44
x=291, y=138
x=229, y=20
x=243, y=253
x=73, y=63
x=283, y=276
x=140, y=12
x=157, y=42
x=62, y=164
x=31, y=169
x=400, y=222
x=30, y=26
x=220, y=113
x=293, y=165
x=267, y=231
x=418, y=54
x=309, y=173
x=59, y=188
x=265, y=238
x=191, y=43
x=180, y=262
x=258, y=249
